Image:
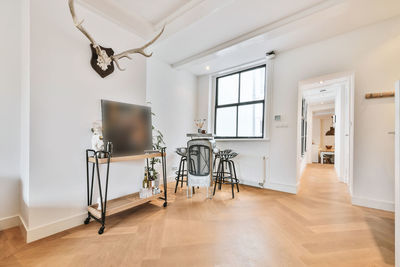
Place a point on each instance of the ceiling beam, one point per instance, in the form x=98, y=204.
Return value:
x=188, y=14
x=257, y=33
x=177, y=13
x=131, y=22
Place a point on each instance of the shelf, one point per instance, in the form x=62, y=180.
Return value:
x=126, y=158
x=123, y=203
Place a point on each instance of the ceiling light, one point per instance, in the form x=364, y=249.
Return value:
x=207, y=67
x=321, y=82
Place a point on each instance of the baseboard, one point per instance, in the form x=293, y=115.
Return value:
x=9, y=222
x=33, y=234
x=373, y=203
x=287, y=188
x=22, y=227
x=170, y=179
x=292, y=189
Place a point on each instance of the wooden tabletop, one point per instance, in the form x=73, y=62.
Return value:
x=127, y=158
x=327, y=150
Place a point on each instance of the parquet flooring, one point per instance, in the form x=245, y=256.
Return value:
x=316, y=227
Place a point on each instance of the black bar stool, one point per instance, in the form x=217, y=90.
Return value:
x=181, y=173
x=226, y=171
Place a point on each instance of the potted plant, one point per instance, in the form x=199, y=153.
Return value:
x=158, y=143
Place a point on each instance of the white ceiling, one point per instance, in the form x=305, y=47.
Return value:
x=225, y=33
x=154, y=11
x=321, y=96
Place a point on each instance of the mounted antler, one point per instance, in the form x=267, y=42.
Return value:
x=102, y=55
x=140, y=50
x=103, y=58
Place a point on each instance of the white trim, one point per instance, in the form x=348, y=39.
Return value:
x=170, y=178
x=397, y=174
x=9, y=222
x=373, y=203
x=182, y=10
x=257, y=33
x=33, y=234
x=242, y=139
x=269, y=65
x=287, y=188
x=250, y=183
x=239, y=68
x=134, y=24
x=328, y=80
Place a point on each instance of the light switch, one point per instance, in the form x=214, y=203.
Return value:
x=282, y=125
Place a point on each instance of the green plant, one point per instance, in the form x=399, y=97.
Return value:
x=158, y=142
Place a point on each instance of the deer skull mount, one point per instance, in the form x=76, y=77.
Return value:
x=103, y=59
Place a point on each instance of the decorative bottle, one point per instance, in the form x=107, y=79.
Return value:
x=145, y=180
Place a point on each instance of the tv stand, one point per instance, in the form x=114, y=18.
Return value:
x=110, y=207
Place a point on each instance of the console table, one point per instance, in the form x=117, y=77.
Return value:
x=323, y=153
x=120, y=204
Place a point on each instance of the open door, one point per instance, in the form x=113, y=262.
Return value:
x=397, y=175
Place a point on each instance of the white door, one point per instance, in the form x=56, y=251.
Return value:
x=397, y=175
x=347, y=133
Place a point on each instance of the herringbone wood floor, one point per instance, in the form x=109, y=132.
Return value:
x=316, y=227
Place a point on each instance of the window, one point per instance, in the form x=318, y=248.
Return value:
x=240, y=104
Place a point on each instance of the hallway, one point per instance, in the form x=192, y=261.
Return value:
x=317, y=227
x=343, y=234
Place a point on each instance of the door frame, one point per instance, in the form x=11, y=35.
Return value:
x=397, y=174
x=327, y=80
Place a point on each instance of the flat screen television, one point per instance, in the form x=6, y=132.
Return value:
x=127, y=126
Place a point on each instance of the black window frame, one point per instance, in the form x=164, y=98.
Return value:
x=238, y=104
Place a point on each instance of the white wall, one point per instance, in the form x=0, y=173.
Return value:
x=173, y=97
x=341, y=113
x=327, y=140
x=316, y=138
x=372, y=52
x=25, y=111
x=10, y=84
x=307, y=157
x=203, y=100
x=65, y=95
x=316, y=131
x=397, y=174
x=60, y=95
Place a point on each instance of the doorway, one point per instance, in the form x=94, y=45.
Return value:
x=325, y=124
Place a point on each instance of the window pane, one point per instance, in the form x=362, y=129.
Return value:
x=228, y=89
x=226, y=121
x=252, y=84
x=250, y=120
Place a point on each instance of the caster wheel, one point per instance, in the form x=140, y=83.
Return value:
x=165, y=204
x=87, y=221
x=101, y=230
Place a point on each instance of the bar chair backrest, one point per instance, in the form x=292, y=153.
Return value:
x=200, y=162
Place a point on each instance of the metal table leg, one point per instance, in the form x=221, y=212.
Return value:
x=102, y=203
x=164, y=171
